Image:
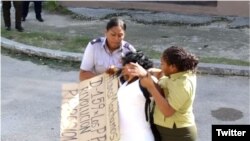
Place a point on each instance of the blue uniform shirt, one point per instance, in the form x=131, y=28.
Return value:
x=97, y=58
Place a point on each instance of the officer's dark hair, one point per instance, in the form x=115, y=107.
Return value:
x=116, y=22
x=137, y=57
x=179, y=57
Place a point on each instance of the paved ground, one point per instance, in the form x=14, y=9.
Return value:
x=210, y=36
x=206, y=36
x=31, y=98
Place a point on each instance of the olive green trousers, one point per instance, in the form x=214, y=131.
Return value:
x=177, y=134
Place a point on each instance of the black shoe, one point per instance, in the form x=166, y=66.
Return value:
x=40, y=19
x=20, y=29
x=8, y=28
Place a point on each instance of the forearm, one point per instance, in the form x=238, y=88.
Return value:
x=156, y=72
x=83, y=75
x=161, y=102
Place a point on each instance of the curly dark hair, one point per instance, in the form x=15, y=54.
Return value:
x=179, y=57
x=137, y=57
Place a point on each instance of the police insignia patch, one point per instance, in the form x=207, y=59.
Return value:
x=96, y=41
x=127, y=46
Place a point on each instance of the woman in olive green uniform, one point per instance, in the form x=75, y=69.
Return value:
x=174, y=95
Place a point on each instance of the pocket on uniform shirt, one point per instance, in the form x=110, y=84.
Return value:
x=100, y=66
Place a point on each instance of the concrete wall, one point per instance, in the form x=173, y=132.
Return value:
x=224, y=8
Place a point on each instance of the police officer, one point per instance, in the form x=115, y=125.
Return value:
x=37, y=7
x=104, y=52
x=6, y=5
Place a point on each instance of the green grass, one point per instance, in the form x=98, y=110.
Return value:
x=55, y=41
x=151, y=53
x=224, y=61
x=54, y=7
x=77, y=43
x=50, y=40
x=156, y=55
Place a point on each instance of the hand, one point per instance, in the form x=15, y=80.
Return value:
x=147, y=81
x=112, y=70
x=137, y=70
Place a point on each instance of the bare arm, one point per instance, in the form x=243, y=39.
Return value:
x=83, y=75
x=153, y=88
x=139, y=71
x=156, y=72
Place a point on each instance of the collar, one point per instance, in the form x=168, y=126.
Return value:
x=104, y=45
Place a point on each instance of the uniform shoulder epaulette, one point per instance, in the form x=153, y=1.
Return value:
x=127, y=46
x=96, y=41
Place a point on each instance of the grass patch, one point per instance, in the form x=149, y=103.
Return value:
x=54, y=7
x=77, y=43
x=156, y=55
x=151, y=53
x=50, y=40
x=224, y=61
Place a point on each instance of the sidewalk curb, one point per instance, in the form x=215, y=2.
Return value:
x=203, y=68
x=43, y=52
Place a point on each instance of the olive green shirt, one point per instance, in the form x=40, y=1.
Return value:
x=179, y=90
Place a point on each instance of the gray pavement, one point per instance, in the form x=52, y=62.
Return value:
x=31, y=100
x=31, y=94
x=208, y=36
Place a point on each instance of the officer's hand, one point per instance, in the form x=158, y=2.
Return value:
x=112, y=70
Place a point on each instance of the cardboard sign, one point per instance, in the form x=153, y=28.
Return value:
x=89, y=110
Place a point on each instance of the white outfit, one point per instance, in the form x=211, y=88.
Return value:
x=97, y=58
x=133, y=124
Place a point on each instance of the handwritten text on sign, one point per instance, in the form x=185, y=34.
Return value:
x=90, y=110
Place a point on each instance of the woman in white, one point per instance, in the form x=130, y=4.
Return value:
x=131, y=101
